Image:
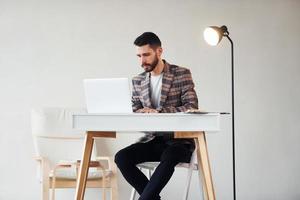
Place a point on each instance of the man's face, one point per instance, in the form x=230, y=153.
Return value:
x=148, y=57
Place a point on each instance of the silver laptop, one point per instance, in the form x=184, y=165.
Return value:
x=107, y=95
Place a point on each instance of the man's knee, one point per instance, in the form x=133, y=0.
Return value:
x=122, y=158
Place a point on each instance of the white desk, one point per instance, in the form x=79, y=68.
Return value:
x=184, y=126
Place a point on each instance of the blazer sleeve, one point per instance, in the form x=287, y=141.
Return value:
x=189, y=99
x=135, y=100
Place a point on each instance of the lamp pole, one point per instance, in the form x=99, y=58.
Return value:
x=213, y=35
x=232, y=110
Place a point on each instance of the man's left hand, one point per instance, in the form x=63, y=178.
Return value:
x=147, y=110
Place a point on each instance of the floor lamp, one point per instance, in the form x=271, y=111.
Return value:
x=213, y=35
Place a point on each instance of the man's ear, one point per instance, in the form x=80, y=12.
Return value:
x=159, y=51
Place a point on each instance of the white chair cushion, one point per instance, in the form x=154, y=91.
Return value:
x=153, y=165
x=70, y=173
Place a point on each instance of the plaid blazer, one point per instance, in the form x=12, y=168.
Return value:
x=177, y=92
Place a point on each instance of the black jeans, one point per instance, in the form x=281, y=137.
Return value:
x=154, y=150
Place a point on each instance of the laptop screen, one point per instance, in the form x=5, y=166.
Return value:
x=110, y=95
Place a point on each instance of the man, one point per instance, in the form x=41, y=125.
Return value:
x=162, y=88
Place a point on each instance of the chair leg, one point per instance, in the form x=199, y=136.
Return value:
x=114, y=193
x=103, y=180
x=53, y=185
x=189, y=176
x=103, y=189
x=201, y=188
x=133, y=194
x=114, y=182
x=188, y=183
x=103, y=194
x=45, y=179
x=45, y=189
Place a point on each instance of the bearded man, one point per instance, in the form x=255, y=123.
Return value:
x=161, y=88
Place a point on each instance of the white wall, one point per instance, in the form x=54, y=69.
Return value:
x=48, y=47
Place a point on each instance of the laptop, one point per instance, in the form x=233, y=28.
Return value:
x=111, y=95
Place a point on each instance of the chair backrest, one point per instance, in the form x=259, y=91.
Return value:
x=53, y=135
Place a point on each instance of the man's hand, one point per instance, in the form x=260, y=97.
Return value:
x=147, y=110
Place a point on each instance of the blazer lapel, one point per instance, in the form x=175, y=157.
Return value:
x=145, y=91
x=166, y=84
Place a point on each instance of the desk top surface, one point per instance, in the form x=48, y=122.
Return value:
x=150, y=114
x=124, y=122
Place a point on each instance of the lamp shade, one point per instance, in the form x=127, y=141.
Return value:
x=213, y=34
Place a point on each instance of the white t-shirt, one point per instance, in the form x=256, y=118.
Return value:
x=155, y=89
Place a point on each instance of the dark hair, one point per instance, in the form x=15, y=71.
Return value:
x=148, y=38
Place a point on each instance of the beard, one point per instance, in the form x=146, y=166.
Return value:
x=149, y=67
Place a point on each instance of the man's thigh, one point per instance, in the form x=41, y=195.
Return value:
x=177, y=152
x=143, y=152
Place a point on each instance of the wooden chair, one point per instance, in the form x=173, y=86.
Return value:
x=149, y=167
x=59, y=150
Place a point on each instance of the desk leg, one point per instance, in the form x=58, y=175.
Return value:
x=204, y=167
x=205, y=171
x=84, y=166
